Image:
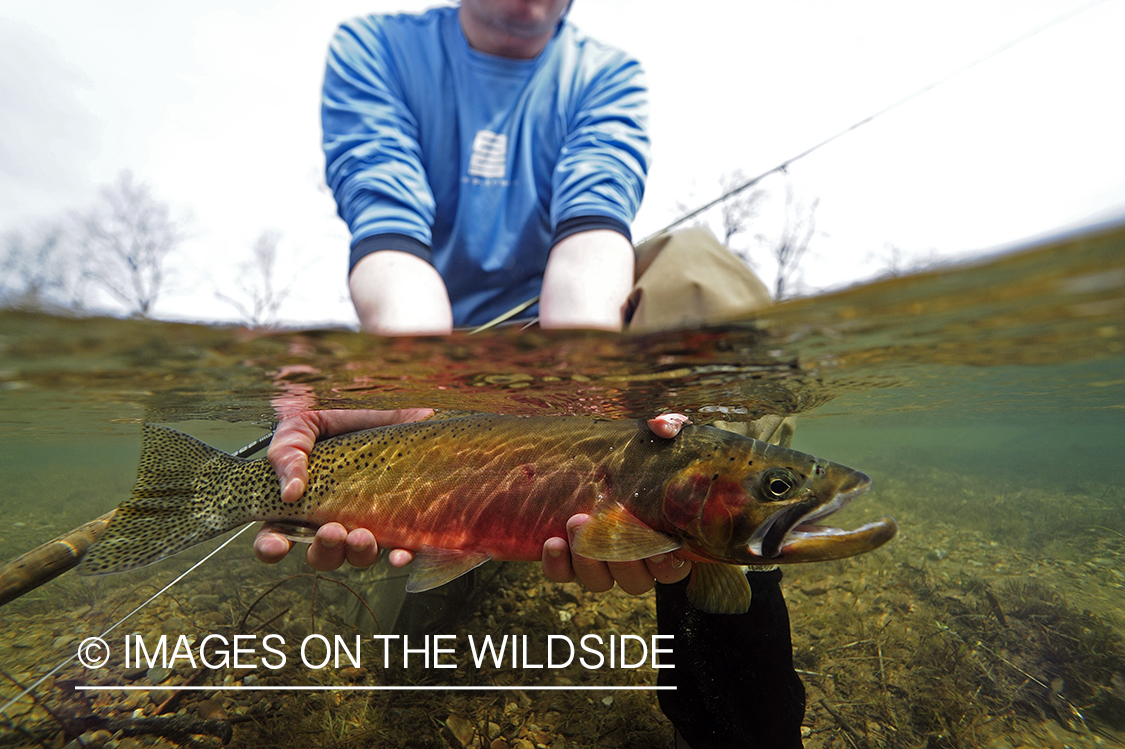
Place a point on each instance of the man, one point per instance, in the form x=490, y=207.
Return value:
x=482, y=156
x=454, y=223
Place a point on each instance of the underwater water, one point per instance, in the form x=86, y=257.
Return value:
x=987, y=403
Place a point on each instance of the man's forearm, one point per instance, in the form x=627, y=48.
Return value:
x=396, y=293
x=589, y=276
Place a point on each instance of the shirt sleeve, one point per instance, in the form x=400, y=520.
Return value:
x=600, y=176
x=373, y=162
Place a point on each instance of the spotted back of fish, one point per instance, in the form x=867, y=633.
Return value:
x=447, y=484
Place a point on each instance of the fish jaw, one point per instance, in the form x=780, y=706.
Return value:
x=814, y=543
x=792, y=535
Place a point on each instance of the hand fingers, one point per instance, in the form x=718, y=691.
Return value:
x=270, y=547
x=635, y=578
x=668, y=568
x=332, y=546
x=668, y=425
x=556, y=561
x=327, y=551
x=400, y=557
x=595, y=575
x=360, y=548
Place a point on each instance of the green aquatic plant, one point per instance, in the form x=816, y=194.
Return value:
x=1078, y=652
x=1111, y=530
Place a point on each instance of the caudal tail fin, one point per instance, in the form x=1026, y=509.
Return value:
x=175, y=504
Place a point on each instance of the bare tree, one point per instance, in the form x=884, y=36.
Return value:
x=259, y=299
x=738, y=210
x=735, y=213
x=126, y=240
x=896, y=261
x=797, y=230
x=39, y=270
x=741, y=209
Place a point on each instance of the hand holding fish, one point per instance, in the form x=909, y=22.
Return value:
x=635, y=578
x=289, y=455
x=333, y=544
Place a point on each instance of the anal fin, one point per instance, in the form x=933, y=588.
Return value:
x=613, y=534
x=718, y=588
x=433, y=567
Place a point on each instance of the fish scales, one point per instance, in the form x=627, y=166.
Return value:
x=494, y=485
x=462, y=491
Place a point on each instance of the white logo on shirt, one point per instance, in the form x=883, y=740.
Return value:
x=490, y=155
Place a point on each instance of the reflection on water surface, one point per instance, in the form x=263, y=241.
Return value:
x=986, y=402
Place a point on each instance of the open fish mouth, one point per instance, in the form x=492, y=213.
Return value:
x=793, y=535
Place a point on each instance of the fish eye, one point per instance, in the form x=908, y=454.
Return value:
x=778, y=483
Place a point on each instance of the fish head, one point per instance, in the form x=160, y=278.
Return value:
x=743, y=501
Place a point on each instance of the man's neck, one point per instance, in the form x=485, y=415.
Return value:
x=494, y=41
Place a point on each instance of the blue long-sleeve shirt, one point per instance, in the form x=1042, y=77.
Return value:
x=479, y=164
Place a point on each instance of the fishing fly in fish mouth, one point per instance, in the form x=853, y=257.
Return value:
x=463, y=491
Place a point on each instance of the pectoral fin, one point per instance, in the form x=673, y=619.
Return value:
x=434, y=567
x=718, y=588
x=613, y=534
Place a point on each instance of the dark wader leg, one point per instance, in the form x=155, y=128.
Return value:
x=736, y=686
x=734, y=677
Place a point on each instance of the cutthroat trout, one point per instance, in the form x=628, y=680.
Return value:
x=463, y=491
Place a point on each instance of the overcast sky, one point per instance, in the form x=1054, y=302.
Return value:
x=217, y=106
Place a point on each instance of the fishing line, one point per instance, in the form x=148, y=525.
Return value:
x=123, y=619
x=506, y=316
x=182, y=575
x=254, y=446
x=244, y=452
x=925, y=89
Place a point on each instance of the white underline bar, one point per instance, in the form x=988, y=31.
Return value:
x=362, y=688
